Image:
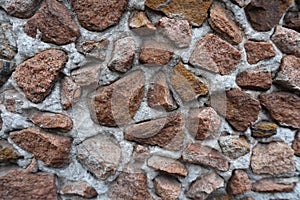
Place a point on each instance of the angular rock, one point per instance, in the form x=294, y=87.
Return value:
x=20, y=8
x=8, y=45
x=283, y=107
x=122, y=55
x=234, y=146
x=166, y=132
x=221, y=21
x=186, y=84
x=204, y=123
x=239, y=182
x=140, y=24
x=155, y=53
x=86, y=75
x=8, y=153
x=78, y=188
x=167, y=188
x=287, y=40
x=6, y=69
x=37, y=75
x=255, y=79
x=18, y=184
x=194, y=11
x=263, y=129
x=94, y=48
x=241, y=3
x=105, y=13
x=215, y=55
x=273, y=185
x=296, y=144
x=292, y=19
x=264, y=15
x=258, y=51
x=55, y=23
x=53, y=150
x=117, y=103
x=177, y=31
x=70, y=92
x=100, y=155
x=33, y=166
x=272, y=158
x=140, y=153
x=203, y=155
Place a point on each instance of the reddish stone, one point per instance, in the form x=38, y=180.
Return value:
x=296, y=144
x=239, y=182
x=234, y=146
x=70, y=92
x=86, y=75
x=167, y=188
x=20, y=8
x=78, y=188
x=155, y=53
x=255, y=79
x=292, y=19
x=140, y=24
x=94, y=48
x=257, y=51
x=33, y=166
x=263, y=129
x=8, y=153
x=272, y=185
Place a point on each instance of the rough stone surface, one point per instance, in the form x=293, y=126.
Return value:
x=94, y=48
x=105, y=13
x=296, y=144
x=78, y=188
x=8, y=46
x=155, y=53
x=37, y=75
x=100, y=155
x=292, y=19
x=272, y=185
x=258, y=51
x=53, y=150
x=33, y=166
x=7, y=152
x=54, y=22
x=215, y=55
x=6, y=69
x=263, y=129
x=167, y=188
x=70, y=93
x=241, y=3
x=140, y=24
x=86, y=75
x=234, y=146
x=283, y=107
x=239, y=182
x=20, y=8
x=255, y=79
x=272, y=158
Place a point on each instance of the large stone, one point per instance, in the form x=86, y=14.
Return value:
x=37, y=75
x=273, y=185
x=283, y=107
x=166, y=132
x=8, y=154
x=257, y=51
x=239, y=182
x=117, y=103
x=53, y=150
x=18, y=184
x=194, y=11
x=100, y=155
x=154, y=53
x=234, y=146
x=206, y=156
x=272, y=158
x=20, y=8
x=140, y=24
x=241, y=3
x=70, y=92
x=78, y=188
x=55, y=23
x=94, y=48
x=255, y=79
x=264, y=15
x=105, y=13
x=6, y=69
x=263, y=129
x=8, y=46
x=292, y=19
x=215, y=55
x=167, y=188
x=296, y=144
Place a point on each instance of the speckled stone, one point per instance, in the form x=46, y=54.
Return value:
x=255, y=79
x=273, y=185
x=258, y=51
x=70, y=92
x=20, y=8
x=167, y=188
x=234, y=146
x=78, y=188
x=140, y=24
x=94, y=48
x=239, y=182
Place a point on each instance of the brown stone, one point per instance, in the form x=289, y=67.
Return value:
x=70, y=92
x=6, y=69
x=94, y=48
x=140, y=24
x=18, y=184
x=221, y=21
x=155, y=53
x=272, y=185
x=20, y=8
x=37, y=75
x=206, y=156
x=105, y=13
x=255, y=79
x=8, y=45
x=296, y=144
x=86, y=75
x=239, y=182
x=263, y=129
x=283, y=107
x=140, y=153
x=7, y=152
x=33, y=166
x=257, y=51
x=292, y=19
x=167, y=188
x=273, y=158
x=215, y=55
x=55, y=23
x=241, y=3
x=117, y=103
x=166, y=132
x=234, y=146
x=159, y=95
x=204, y=123
x=287, y=40
x=264, y=15
x=186, y=84
x=122, y=55
x=53, y=150
x=78, y=188
x=177, y=31
x=204, y=185
x=194, y=11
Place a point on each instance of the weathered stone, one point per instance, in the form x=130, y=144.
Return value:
x=287, y=40
x=8, y=153
x=94, y=49
x=222, y=22
x=206, y=156
x=257, y=51
x=273, y=185
x=13, y=101
x=18, y=184
x=204, y=185
x=215, y=55
x=6, y=69
x=292, y=19
x=234, y=146
x=194, y=11
x=86, y=75
x=203, y=123
x=8, y=46
x=117, y=103
x=53, y=150
x=255, y=79
x=105, y=13
x=239, y=182
x=167, y=188
x=288, y=75
x=122, y=55
x=263, y=129
x=296, y=144
x=159, y=94
x=167, y=165
x=131, y=186
x=177, y=31
x=33, y=166
x=186, y=84
x=264, y=15
x=100, y=155
x=70, y=92
x=166, y=132
x=241, y=3
x=283, y=107
x=140, y=24
x=78, y=188
x=155, y=53
x=20, y=8
x=55, y=23
x=272, y=158
x=37, y=75
x=140, y=153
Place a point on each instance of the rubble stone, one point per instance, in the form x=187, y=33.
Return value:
x=70, y=92
x=20, y=8
x=272, y=185
x=239, y=182
x=263, y=129
x=255, y=79
x=167, y=188
x=258, y=51
x=7, y=152
x=94, y=48
x=140, y=24
x=78, y=188
x=234, y=146
x=155, y=53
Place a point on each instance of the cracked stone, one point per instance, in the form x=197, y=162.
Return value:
x=70, y=93
x=255, y=79
x=8, y=46
x=20, y=8
x=296, y=144
x=78, y=188
x=273, y=185
x=239, y=182
x=263, y=129
x=94, y=48
x=8, y=154
x=258, y=51
x=140, y=24
x=167, y=188
x=234, y=146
